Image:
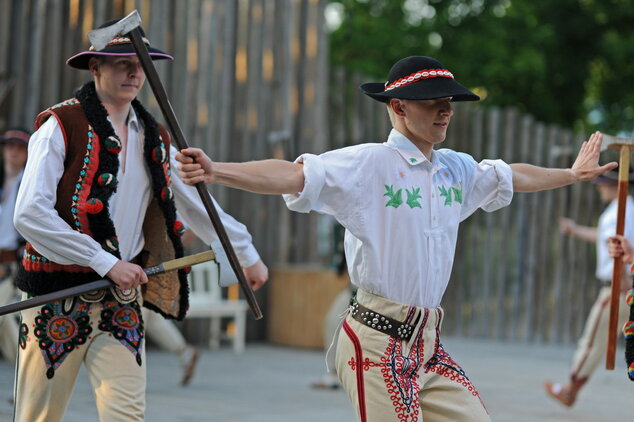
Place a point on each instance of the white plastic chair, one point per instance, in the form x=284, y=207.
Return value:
x=206, y=301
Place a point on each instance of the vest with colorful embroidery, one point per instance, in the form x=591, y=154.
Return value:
x=87, y=183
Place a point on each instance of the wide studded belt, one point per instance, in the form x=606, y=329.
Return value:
x=382, y=323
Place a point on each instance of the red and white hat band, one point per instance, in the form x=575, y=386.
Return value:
x=121, y=40
x=421, y=74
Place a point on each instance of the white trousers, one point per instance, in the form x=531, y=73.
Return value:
x=591, y=347
x=8, y=323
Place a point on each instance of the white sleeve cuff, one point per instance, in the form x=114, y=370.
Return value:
x=103, y=262
x=248, y=256
x=505, y=185
x=314, y=179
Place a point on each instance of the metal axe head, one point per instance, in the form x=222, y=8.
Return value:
x=616, y=142
x=99, y=38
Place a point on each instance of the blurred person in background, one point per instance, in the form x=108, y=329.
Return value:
x=591, y=347
x=14, y=144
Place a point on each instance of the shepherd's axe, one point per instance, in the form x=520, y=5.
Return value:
x=129, y=27
x=174, y=264
x=625, y=145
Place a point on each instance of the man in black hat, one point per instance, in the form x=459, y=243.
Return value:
x=401, y=203
x=591, y=346
x=14, y=152
x=98, y=198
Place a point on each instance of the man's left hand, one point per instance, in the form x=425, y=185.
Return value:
x=257, y=274
x=586, y=166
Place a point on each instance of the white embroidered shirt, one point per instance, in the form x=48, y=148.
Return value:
x=401, y=211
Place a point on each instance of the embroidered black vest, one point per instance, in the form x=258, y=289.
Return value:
x=88, y=182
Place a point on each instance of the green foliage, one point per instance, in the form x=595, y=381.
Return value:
x=568, y=62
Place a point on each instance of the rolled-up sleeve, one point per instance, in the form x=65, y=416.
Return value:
x=314, y=181
x=491, y=187
x=333, y=183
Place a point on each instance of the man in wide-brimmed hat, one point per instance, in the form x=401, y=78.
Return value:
x=591, y=349
x=14, y=152
x=98, y=199
x=401, y=203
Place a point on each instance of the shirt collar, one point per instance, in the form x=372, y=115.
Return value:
x=410, y=153
x=133, y=121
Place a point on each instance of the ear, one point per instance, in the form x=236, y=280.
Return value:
x=93, y=65
x=398, y=107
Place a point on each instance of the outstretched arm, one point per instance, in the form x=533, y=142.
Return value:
x=529, y=178
x=570, y=228
x=265, y=176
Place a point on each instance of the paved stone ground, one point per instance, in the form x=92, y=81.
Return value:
x=269, y=383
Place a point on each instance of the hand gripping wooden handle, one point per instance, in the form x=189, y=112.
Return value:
x=624, y=166
x=172, y=265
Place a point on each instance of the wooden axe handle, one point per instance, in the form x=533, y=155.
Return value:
x=624, y=166
x=179, y=139
x=104, y=283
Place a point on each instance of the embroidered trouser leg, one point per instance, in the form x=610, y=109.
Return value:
x=8, y=324
x=57, y=338
x=591, y=347
x=392, y=380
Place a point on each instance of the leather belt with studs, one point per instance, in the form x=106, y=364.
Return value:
x=382, y=323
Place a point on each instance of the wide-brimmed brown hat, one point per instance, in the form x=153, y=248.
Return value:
x=15, y=136
x=119, y=46
x=418, y=78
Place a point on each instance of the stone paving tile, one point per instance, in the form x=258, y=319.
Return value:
x=271, y=384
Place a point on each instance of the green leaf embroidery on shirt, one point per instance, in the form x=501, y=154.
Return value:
x=457, y=194
x=446, y=193
x=395, y=197
x=412, y=197
x=413, y=160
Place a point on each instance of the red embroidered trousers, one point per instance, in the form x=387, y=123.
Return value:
x=406, y=381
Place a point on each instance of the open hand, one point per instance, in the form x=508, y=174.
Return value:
x=586, y=166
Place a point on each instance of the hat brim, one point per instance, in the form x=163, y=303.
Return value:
x=427, y=89
x=81, y=60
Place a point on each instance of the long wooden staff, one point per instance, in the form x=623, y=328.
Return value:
x=625, y=145
x=174, y=264
x=129, y=26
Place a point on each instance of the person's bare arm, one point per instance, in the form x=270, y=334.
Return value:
x=530, y=178
x=265, y=176
x=570, y=228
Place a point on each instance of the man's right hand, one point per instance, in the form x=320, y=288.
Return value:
x=567, y=226
x=127, y=275
x=619, y=246
x=195, y=166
